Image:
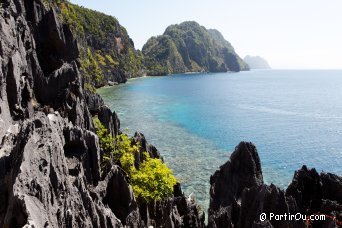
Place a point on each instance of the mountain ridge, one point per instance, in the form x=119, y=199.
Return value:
x=190, y=47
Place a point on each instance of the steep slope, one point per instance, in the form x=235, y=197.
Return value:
x=106, y=50
x=256, y=62
x=189, y=47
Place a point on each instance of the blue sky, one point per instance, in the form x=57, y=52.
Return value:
x=288, y=33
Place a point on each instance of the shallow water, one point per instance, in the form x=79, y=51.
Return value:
x=294, y=117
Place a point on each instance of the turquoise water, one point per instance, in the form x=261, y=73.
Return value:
x=294, y=117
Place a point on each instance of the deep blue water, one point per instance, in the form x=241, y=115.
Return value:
x=294, y=117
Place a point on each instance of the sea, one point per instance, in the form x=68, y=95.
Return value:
x=294, y=117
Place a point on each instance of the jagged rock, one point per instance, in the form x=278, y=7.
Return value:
x=110, y=120
x=77, y=142
x=55, y=42
x=143, y=146
x=41, y=186
x=227, y=184
x=118, y=195
x=174, y=212
x=220, y=218
x=242, y=171
x=317, y=193
x=239, y=197
x=94, y=102
x=264, y=199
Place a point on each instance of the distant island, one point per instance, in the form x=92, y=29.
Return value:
x=256, y=62
x=190, y=47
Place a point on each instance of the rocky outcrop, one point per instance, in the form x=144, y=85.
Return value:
x=143, y=146
x=242, y=171
x=47, y=176
x=238, y=195
x=176, y=212
x=50, y=159
x=317, y=194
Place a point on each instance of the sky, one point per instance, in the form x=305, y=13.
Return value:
x=289, y=34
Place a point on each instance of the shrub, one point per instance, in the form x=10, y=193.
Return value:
x=153, y=181
x=125, y=152
x=105, y=139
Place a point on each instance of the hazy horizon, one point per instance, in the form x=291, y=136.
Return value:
x=288, y=34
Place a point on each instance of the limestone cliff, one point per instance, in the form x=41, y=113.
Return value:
x=106, y=50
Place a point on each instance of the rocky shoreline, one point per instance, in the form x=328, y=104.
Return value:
x=50, y=156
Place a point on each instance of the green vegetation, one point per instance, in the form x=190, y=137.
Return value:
x=112, y=48
x=69, y=15
x=91, y=67
x=189, y=47
x=125, y=153
x=107, y=142
x=106, y=51
x=152, y=181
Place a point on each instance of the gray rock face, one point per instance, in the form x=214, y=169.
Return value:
x=317, y=194
x=110, y=120
x=174, y=212
x=94, y=102
x=238, y=195
x=242, y=171
x=49, y=176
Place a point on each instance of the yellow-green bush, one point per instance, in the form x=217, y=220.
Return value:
x=105, y=139
x=153, y=180
x=125, y=152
